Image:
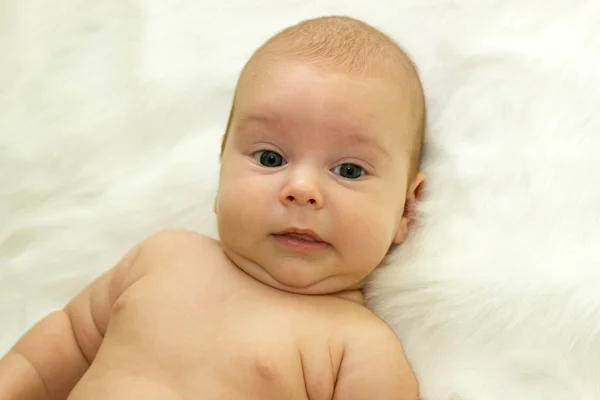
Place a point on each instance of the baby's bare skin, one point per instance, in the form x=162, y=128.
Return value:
x=190, y=324
x=318, y=180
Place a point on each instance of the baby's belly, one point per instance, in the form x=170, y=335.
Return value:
x=102, y=382
x=128, y=387
x=123, y=387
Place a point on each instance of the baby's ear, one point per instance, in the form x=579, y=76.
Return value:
x=412, y=196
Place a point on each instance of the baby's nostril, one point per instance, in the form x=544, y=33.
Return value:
x=290, y=198
x=312, y=201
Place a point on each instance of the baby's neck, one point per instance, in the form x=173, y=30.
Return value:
x=253, y=270
x=354, y=296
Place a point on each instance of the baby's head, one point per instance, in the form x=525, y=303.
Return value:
x=320, y=158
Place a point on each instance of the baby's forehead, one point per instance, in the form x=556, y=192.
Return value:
x=400, y=86
x=269, y=69
x=369, y=95
x=391, y=66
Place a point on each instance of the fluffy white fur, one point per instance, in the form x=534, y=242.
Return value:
x=111, y=114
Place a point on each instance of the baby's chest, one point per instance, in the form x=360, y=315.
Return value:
x=237, y=339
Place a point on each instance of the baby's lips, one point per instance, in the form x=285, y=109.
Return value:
x=300, y=233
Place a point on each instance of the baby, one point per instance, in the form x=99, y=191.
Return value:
x=318, y=178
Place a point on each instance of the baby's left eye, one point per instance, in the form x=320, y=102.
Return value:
x=349, y=171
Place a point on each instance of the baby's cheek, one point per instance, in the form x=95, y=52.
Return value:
x=245, y=203
x=235, y=223
x=238, y=207
x=365, y=236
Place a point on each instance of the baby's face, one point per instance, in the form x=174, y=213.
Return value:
x=314, y=177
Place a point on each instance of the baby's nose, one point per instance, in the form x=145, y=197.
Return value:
x=302, y=190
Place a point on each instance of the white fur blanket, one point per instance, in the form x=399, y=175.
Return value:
x=111, y=113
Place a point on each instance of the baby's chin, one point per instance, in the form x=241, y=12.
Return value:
x=290, y=283
x=352, y=293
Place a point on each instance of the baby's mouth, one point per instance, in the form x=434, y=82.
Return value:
x=301, y=236
x=301, y=240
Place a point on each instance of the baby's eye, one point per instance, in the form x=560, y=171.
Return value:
x=349, y=171
x=269, y=159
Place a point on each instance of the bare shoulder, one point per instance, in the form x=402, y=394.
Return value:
x=374, y=364
x=170, y=247
x=174, y=239
x=90, y=310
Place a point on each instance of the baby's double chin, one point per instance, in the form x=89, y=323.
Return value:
x=261, y=274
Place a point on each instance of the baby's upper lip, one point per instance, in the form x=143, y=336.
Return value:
x=301, y=231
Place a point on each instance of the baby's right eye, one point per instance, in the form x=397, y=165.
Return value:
x=269, y=158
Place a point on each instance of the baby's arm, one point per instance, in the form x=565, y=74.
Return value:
x=374, y=366
x=53, y=355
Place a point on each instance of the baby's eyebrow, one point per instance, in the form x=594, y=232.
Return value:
x=360, y=139
x=256, y=118
x=350, y=135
